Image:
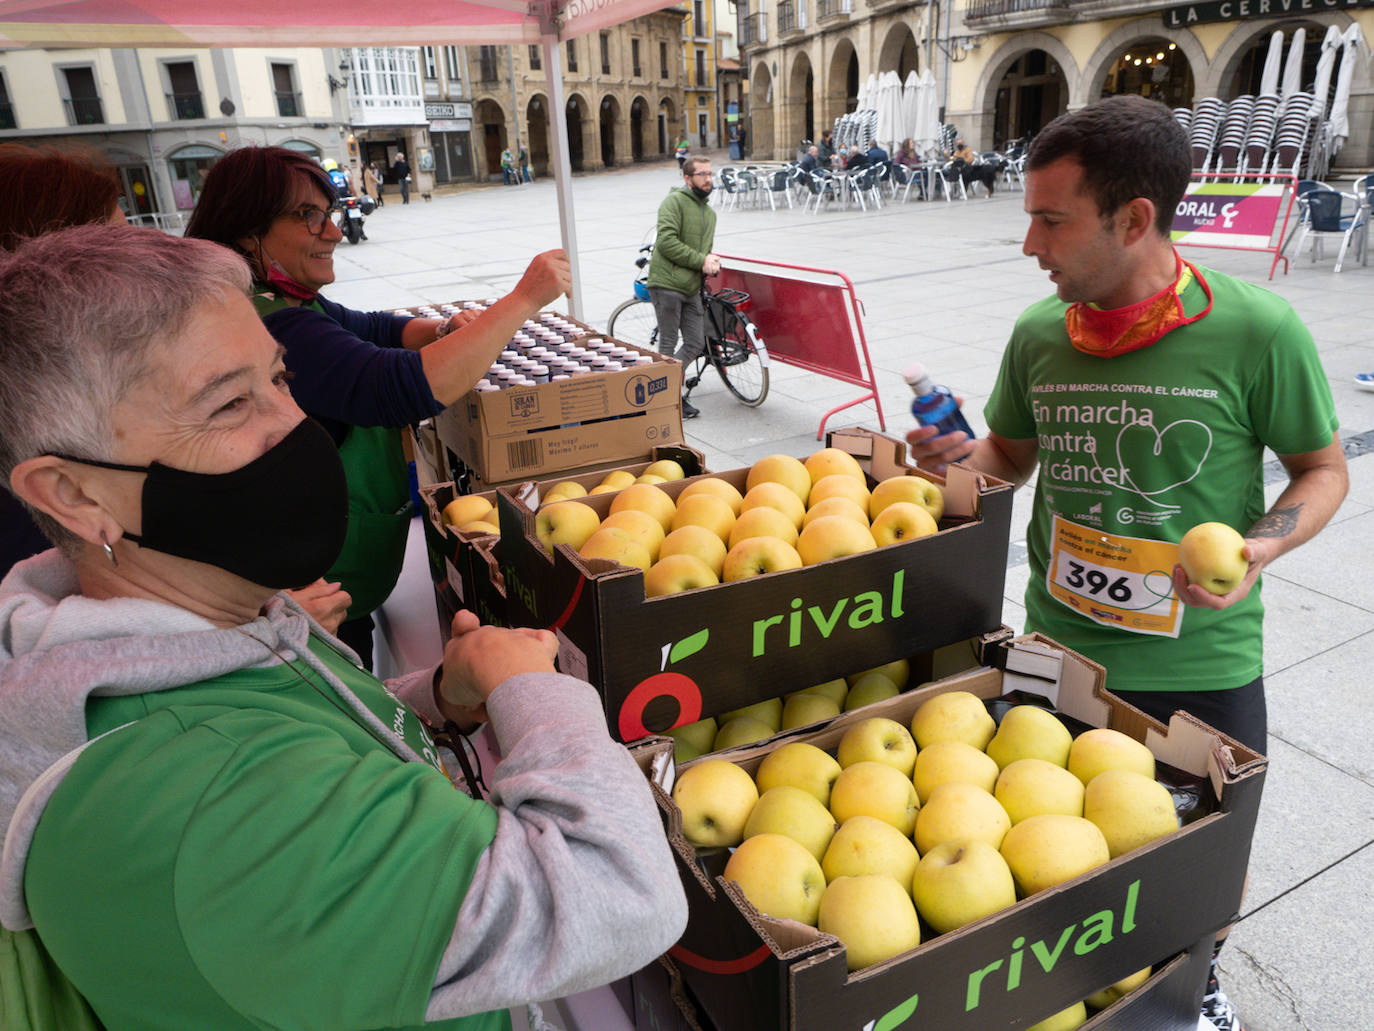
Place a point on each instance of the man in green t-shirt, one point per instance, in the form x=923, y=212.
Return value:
x=1145, y=394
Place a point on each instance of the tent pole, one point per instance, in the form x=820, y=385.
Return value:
x=562, y=164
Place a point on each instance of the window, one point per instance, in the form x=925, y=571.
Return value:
x=699, y=18
x=82, y=100
x=431, y=64
x=451, y=65
x=701, y=67
x=536, y=62
x=572, y=56
x=605, y=53
x=663, y=60
x=188, y=167
x=7, y=120
x=183, y=90
x=636, y=71
x=284, y=86
x=488, y=65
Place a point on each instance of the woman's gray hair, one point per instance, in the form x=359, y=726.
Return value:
x=82, y=312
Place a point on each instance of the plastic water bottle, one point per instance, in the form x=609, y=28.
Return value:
x=934, y=406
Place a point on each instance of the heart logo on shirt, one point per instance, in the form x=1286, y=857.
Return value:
x=1176, y=455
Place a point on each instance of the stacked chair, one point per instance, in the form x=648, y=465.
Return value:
x=1230, y=139
x=1184, y=117
x=1294, y=135
x=1259, y=135
x=1202, y=131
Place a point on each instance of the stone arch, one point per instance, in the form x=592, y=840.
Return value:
x=489, y=117
x=1139, y=29
x=1226, y=63
x=799, y=111
x=761, y=112
x=842, y=80
x=667, y=125
x=982, y=126
x=639, y=128
x=537, y=132
x=608, y=119
x=579, y=120
x=899, y=52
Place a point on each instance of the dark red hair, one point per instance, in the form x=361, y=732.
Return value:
x=46, y=188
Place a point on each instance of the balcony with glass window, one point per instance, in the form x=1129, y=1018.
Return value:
x=384, y=86
x=185, y=105
x=833, y=10
x=791, y=18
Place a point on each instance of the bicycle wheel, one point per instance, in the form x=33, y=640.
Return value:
x=741, y=359
x=635, y=323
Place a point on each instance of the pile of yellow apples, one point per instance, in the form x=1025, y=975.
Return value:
x=471, y=513
x=953, y=818
x=792, y=513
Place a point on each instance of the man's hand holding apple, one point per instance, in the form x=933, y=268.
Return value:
x=1258, y=552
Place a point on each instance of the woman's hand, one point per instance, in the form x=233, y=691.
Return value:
x=326, y=602
x=477, y=659
x=548, y=278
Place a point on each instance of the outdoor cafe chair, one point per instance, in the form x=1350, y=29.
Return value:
x=823, y=189
x=777, y=183
x=1329, y=213
x=1359, y=225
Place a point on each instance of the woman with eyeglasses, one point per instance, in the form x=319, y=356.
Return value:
x=364, y=375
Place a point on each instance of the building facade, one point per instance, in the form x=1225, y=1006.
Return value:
x=161, y=118
x=700, y=54
x=1006, y=67
x=624, y=97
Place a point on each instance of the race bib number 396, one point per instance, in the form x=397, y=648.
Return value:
x=1122, y=582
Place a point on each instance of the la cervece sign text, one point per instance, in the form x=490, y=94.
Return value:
x=1239, y=10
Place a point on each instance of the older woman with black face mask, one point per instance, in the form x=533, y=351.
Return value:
x=363, y=375
x=208, y=811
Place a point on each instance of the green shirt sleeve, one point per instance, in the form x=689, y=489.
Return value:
x=1289, y=398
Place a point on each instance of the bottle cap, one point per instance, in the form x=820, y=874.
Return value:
x=917, y=378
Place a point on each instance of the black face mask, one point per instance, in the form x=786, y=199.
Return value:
x=703, y=194
x=278, y=521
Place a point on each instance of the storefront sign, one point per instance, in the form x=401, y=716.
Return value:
x=451, y=125
x=439, y=111
x=1242, y=10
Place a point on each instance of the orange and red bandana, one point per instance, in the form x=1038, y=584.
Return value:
x=1107, y=333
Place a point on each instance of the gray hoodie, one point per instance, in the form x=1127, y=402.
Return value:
x=565, y=778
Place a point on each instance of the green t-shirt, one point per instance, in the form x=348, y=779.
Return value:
x=1138, y=449
x=249, y=855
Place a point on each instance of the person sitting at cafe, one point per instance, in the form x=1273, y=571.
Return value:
x=857, y=159
x=810, y=161
x=877, y=155
x=825, y=150
x=971, y=167
x=907, y=154
x=211, y=817
x=363, y=375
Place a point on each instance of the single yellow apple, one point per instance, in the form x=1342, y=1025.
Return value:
x=569, y=489
x=1104, y=749
x=782, y=469
x=835, y=689
x=742, y=730
x=565, y=522
x=775, y=495
x=722, y=489
x=1032, y=787
x=1101, y=1000
x=1064, y=1020
x=1030, y=732
x=836, y=506
x=779, y=877
x=833, y=537
x=878, y=739
x=801, y=765
x=677, y=573
x=647, y=498
x=902, y=521
x=614, y=545
x=650, y=478
x=716, y=798
x=1046, y=850
x=839, y=485
x=468, y=508
x=698, y=542
x=1129, y=809
x=802, y=708
x=868, y=845
x=666, y=468
x=832, y=461
x=617, y=479
x=898, y=671
x=872, y=916
x=941, y=762
x=869, y=688
x=698, y=736
x=957, y=812
x=916, y=489
x=763, y=522
x=769, y=711
x=953, y=716
x=795, y=814
x=875, y=789
x=958, y=882
x=705, y=510
x=754, y=556
x=640, y=525
x=1211, y=555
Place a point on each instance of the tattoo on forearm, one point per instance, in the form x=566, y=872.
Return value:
x=1278, y=523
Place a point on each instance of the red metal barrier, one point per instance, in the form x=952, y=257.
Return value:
x=810, y=318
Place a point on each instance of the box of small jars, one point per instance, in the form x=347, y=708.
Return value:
x=560, y=396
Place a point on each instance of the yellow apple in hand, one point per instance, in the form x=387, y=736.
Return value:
x=616, y=546
x=640, y=526
x=957, y=812
x=677, y=573
x=722, y=489
x=467, y=509
x=1030, y=732
x=716, y=798
x=763, y=522
x=878, y=739
x=801, y=765
x=782, y=469
x=647, y=498
x=872, y=916
x=1064, y=1020
x=667, y=468
x=916, y=489
x=869, y=688
x=898, y=671
x=779, y=877
x=795, y=814
x=958, y=882
x=693, y=739
x=803, y=708
x=1104, y=749
x=742, y=730
x=836, y=506
x=832, y=461
x=698, y=542
x=1043, y=851
x=902, y=521
x=706, y=510
x=953, y=716
x=754, y=556
x=775, y=495
x=1211, y=555
x=1129, y=809
x=877, y=790
x=944, y=761
x=1031, y=787
x=566, y=522
x=866, y=844
x=839, y=485
x=833, y=537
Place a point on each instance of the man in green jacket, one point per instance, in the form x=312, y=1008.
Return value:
x=682, y=255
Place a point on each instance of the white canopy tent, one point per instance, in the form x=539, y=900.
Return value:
x=1340, y=103
x=1330, y=45
x=337, y=23
x=1292, y=66
x=1273, y=61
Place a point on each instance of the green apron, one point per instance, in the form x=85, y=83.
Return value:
x=379, y=504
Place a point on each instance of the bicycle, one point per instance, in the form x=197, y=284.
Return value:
x=733, y=344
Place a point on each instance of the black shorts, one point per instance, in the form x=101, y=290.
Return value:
x=1238, y=712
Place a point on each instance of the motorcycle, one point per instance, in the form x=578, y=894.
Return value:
x=352, y=211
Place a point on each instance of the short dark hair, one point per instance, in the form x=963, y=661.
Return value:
x=47, y=189
x=248, y=189
x=1128, y=147
x=689, y=166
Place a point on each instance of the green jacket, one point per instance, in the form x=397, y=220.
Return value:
x=686, y=234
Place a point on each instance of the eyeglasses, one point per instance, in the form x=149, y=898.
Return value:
x=698, y=175
x=314, y=218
